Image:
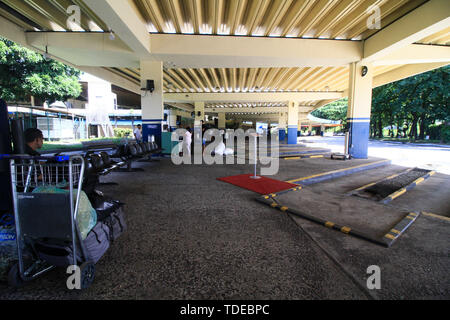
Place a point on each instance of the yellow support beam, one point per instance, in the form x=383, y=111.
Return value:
x=431, y=17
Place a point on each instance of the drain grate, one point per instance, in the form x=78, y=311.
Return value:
x=393, y=186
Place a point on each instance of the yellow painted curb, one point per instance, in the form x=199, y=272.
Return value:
x=335, y=171
x=345, y=229
x=329, y=224
x=436, y=216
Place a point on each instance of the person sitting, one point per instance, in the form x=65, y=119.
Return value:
x=34, y=139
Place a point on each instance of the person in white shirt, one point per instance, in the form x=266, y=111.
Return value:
x=188, y=139
x=137, y=133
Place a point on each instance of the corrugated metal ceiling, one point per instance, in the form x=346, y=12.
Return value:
x=328, y=19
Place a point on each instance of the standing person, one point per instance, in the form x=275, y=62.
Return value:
x=188, y=139
x=34, y=139
x=137, y=133
x=203, y=139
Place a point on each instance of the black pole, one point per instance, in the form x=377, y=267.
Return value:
x=5, y=148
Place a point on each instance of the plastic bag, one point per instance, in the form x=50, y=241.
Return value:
x=220, y=149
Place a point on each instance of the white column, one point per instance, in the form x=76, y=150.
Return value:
x=222, y=120
x=359, y=108
x=152, y=102
x=199, y=113
x=197, y=134
x=173, y=119
x=292, y=122
x=282, y=121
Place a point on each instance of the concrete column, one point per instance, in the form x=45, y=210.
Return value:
x=222, y=120
x=173, y=119
x=197, y=138
x=199, y=113
x=359, y=108
x=282, y=120
x=152, y=102
x=292, y=122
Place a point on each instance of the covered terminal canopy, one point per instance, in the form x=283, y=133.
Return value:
x=286, y=57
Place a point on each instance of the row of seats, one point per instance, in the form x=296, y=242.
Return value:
x=101, y=163
x=135, y=151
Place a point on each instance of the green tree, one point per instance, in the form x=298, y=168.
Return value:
x=25, y=73
x=336, y=110
x=413, y=104
x=416, y=106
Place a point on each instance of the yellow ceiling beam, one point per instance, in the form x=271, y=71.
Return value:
x=112, y=77
x=90, y=15
x=182, y=106
x=246, y=109
x=302, y=109
x=405, y=71
x=391, y=11
x=124, y=19
x=12, y=32
x=431, y=17
x=84, y=49
x=194, y=51
x=251, y=97
x=416, y=53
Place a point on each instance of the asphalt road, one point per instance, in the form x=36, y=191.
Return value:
x=432, y=157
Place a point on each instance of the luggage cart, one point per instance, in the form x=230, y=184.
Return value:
x=47, y=216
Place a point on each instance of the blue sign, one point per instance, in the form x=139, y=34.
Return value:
x=7, y=236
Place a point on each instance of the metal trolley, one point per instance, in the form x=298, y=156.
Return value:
x=46, y=216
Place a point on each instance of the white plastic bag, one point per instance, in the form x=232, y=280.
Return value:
x=220, y=149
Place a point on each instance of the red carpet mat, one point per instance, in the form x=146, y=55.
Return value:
x=262, y=186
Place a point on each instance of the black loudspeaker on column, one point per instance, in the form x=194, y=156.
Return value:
x=150, y=85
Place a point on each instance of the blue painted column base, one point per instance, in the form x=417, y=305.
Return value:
x=282, y=134
x=152, y=129
x=359, y=137
x=292, y=135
